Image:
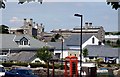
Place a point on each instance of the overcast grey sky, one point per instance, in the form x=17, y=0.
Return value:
x=60, y=15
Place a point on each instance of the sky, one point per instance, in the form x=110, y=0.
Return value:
x=60, y=15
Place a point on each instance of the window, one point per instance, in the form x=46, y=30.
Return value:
x=93, y=40
x=57, y=55
x=13, y=32
x=75, y=54
x=91, y=57
x=24, y=41
x=99, y=43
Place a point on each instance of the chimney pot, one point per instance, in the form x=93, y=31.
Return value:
x=90, y=24
x=86, y=25
x=25, y=22
x=31, y=21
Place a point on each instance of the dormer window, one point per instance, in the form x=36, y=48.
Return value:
x=93, y=40
x=24, y=41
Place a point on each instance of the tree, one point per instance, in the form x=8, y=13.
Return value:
x=4, y=29
x=2, y=2
x=85, y=52
x=104, y=41
x=23, y=1
x=53, y=40
x=114, y=3
x=44, y=54
x=118, y=42
x=57, y=36
x=108, y=41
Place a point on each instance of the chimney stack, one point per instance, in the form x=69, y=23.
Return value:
x=90, y=24
x=25, y=21
x=86, y=25
x=31, y=21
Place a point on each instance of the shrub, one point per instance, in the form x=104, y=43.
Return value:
x=10, y=64
x=21, y=64
x=34, y=65
x=7, y=64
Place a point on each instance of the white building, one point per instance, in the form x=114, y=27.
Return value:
x=113, y=38
x=88, y=28
x=71, y=45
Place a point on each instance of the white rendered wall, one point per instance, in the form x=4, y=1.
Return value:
x=65, y=53
x=88, y=42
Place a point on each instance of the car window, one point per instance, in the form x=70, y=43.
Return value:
x=13, y=71
x=27, y=72
x=2, y=69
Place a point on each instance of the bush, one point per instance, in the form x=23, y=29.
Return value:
x=56, y=66
x=7, y=64
x=10, y=64
x=34, y=65
x=21, y=64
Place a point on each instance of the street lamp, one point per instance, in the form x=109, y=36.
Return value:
x=81, y=16
x=62, y=47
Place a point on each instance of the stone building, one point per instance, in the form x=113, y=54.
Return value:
x=88, y=28
x=29, y=27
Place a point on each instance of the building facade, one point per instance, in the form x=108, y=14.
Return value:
x=19, y=47
x=88, y=28
x=29, y=27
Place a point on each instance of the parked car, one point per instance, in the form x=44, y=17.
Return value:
x=102, y=70
x=20, y=73
x=2, y=71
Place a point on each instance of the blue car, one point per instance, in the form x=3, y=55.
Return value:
x=19, y=73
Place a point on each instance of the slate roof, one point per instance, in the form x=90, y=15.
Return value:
x=22, y=56
x=58, y=45
x=74, y=39
x=8, y=42
x=102, y=51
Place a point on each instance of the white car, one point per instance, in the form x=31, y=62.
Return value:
x=2, y=71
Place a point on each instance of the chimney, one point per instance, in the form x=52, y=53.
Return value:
x=41, y=24
x=37, y=24
x=90, y=24
x=31, y=21
x=86, y=25
x=25, y=21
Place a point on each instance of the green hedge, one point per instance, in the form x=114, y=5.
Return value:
x=7, y=64
x=10, y=64
x=32, y=65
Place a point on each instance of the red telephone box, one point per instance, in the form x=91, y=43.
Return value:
x=73, y=66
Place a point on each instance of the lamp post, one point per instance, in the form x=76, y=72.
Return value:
x=62, y=47
x=81, y=16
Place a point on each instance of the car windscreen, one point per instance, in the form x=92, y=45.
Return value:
x=26, y=72
x=2, y=69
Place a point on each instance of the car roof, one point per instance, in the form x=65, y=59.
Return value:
x=1, y=65
x=21, y=69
